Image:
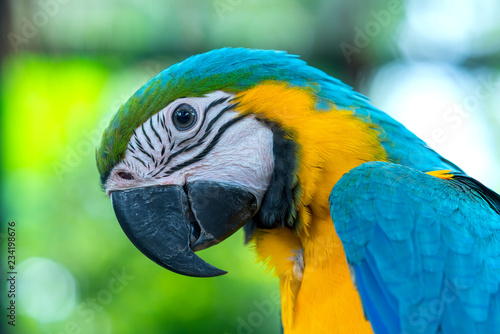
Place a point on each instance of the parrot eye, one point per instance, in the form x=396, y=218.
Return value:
x=184, y=116
x=125, y=176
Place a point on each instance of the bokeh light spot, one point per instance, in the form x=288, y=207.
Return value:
x=47, y=290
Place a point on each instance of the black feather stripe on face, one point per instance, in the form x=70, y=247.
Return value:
x=161, y=165
x=199, y=142
x=208, y=148
x=207, y=109
x=282, y=196
x=154, y=130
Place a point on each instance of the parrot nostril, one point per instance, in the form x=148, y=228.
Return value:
x=125, y=176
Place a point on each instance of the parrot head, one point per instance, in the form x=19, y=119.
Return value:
x=206, y=147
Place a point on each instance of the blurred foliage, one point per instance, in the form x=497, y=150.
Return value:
x=70, y=65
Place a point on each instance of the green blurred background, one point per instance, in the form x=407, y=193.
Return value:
x=66, y=67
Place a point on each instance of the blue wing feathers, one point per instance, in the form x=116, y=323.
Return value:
x=428, y=237
x=457, y=237
x=381, y=308
x=437, y=261
x=426, y=248
x=392, y=252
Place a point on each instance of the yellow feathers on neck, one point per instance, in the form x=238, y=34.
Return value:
x=329, y=142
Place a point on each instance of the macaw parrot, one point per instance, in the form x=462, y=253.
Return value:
x=366, y=227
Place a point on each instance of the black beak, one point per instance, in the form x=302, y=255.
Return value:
x=168, y=223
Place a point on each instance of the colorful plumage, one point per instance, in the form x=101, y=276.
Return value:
x=340, y=200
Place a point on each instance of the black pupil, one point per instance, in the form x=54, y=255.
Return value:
x=184, y=117
x=126, y=176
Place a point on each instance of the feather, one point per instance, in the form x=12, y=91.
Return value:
x=430, y=254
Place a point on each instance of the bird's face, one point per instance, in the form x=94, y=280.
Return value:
x=192, y=174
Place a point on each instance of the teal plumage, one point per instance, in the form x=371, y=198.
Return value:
x=426, y=251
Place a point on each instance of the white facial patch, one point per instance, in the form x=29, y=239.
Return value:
x=221, y=145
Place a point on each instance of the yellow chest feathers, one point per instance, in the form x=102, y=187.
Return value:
x=317, y=294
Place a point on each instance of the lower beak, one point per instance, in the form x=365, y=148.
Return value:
x=168, y=223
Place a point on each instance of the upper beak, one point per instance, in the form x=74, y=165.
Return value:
x=168, y=223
